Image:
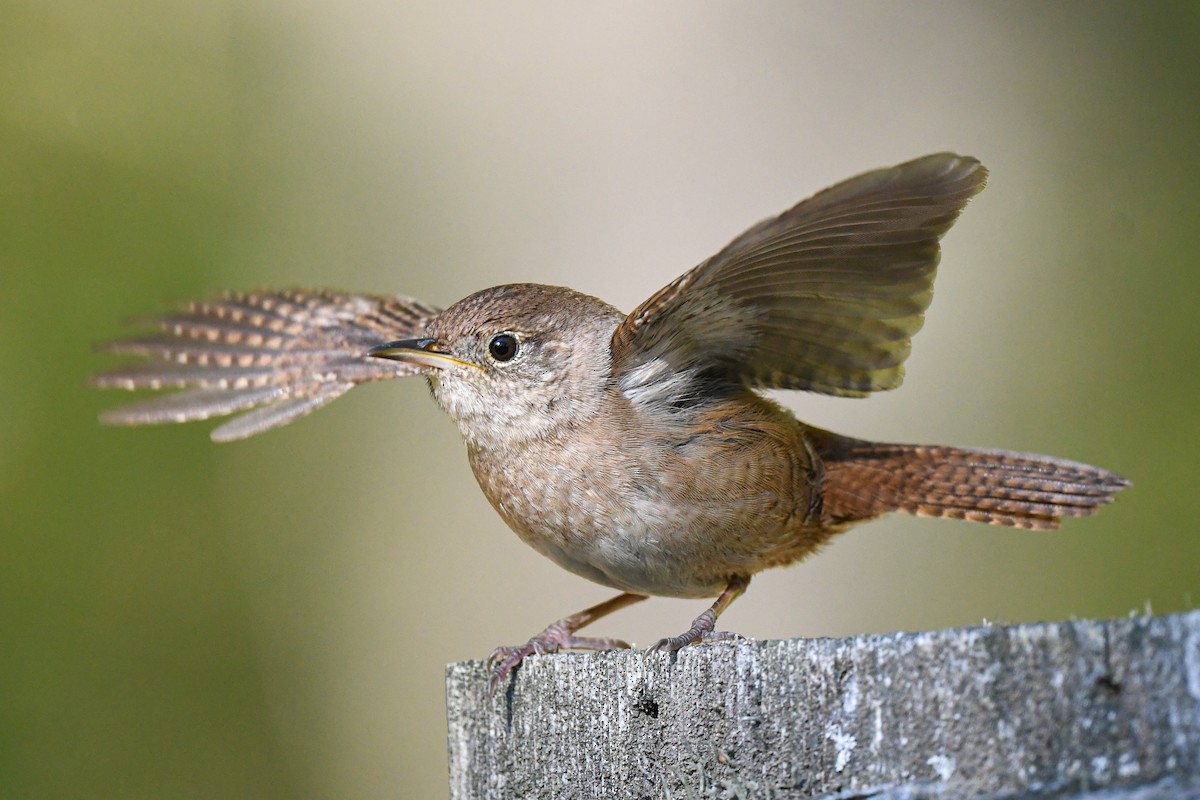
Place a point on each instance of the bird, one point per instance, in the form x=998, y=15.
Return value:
x=638, y=450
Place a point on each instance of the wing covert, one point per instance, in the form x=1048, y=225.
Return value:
x=824, y=297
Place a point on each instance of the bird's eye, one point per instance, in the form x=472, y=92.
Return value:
x=503, y=347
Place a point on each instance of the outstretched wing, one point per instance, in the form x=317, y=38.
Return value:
x=825, y=297
x=274, y=355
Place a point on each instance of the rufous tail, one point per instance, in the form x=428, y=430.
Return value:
x=863, y=480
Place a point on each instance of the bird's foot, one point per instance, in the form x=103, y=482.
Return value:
x=557, y=636
x=673, y=643
x=702, y=630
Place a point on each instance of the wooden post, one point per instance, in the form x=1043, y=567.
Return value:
x=1049, y=710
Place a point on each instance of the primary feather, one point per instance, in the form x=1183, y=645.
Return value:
x=275, y=355
x=824, y=297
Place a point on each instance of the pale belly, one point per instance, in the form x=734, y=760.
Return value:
x=638, y=527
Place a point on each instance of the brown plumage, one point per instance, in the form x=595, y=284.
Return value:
x=864, y=480
x=283, y=354
x=634, y=450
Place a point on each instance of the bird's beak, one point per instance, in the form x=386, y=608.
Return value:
x=424, y=352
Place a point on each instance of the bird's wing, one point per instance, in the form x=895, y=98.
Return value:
x=274, y=355
x=824, y=297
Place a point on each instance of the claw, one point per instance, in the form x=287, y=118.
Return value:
x=558, y=636
x=673, y=643
x=504, y=660
x=702, y=630
x=555, y=638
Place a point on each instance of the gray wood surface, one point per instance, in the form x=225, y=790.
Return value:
x=1102, y=709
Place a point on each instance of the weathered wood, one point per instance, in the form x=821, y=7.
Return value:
x=1049, y=710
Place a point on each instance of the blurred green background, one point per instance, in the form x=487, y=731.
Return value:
x=271, y=619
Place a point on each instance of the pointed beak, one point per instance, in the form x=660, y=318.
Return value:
x=424, y=352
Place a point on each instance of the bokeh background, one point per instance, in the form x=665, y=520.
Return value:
x=271, y=619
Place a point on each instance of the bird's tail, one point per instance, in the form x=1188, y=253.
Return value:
x=863, y=480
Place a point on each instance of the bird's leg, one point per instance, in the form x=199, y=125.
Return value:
x=560, y=635
x=703, y=626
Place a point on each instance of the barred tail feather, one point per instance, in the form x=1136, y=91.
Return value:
x=865, y=479
x=274, y=355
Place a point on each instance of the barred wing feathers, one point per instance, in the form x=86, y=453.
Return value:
x=275, y=356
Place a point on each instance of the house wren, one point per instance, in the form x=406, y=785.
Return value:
x=635, y=450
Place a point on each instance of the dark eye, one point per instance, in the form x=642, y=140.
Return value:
x=503, y=347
